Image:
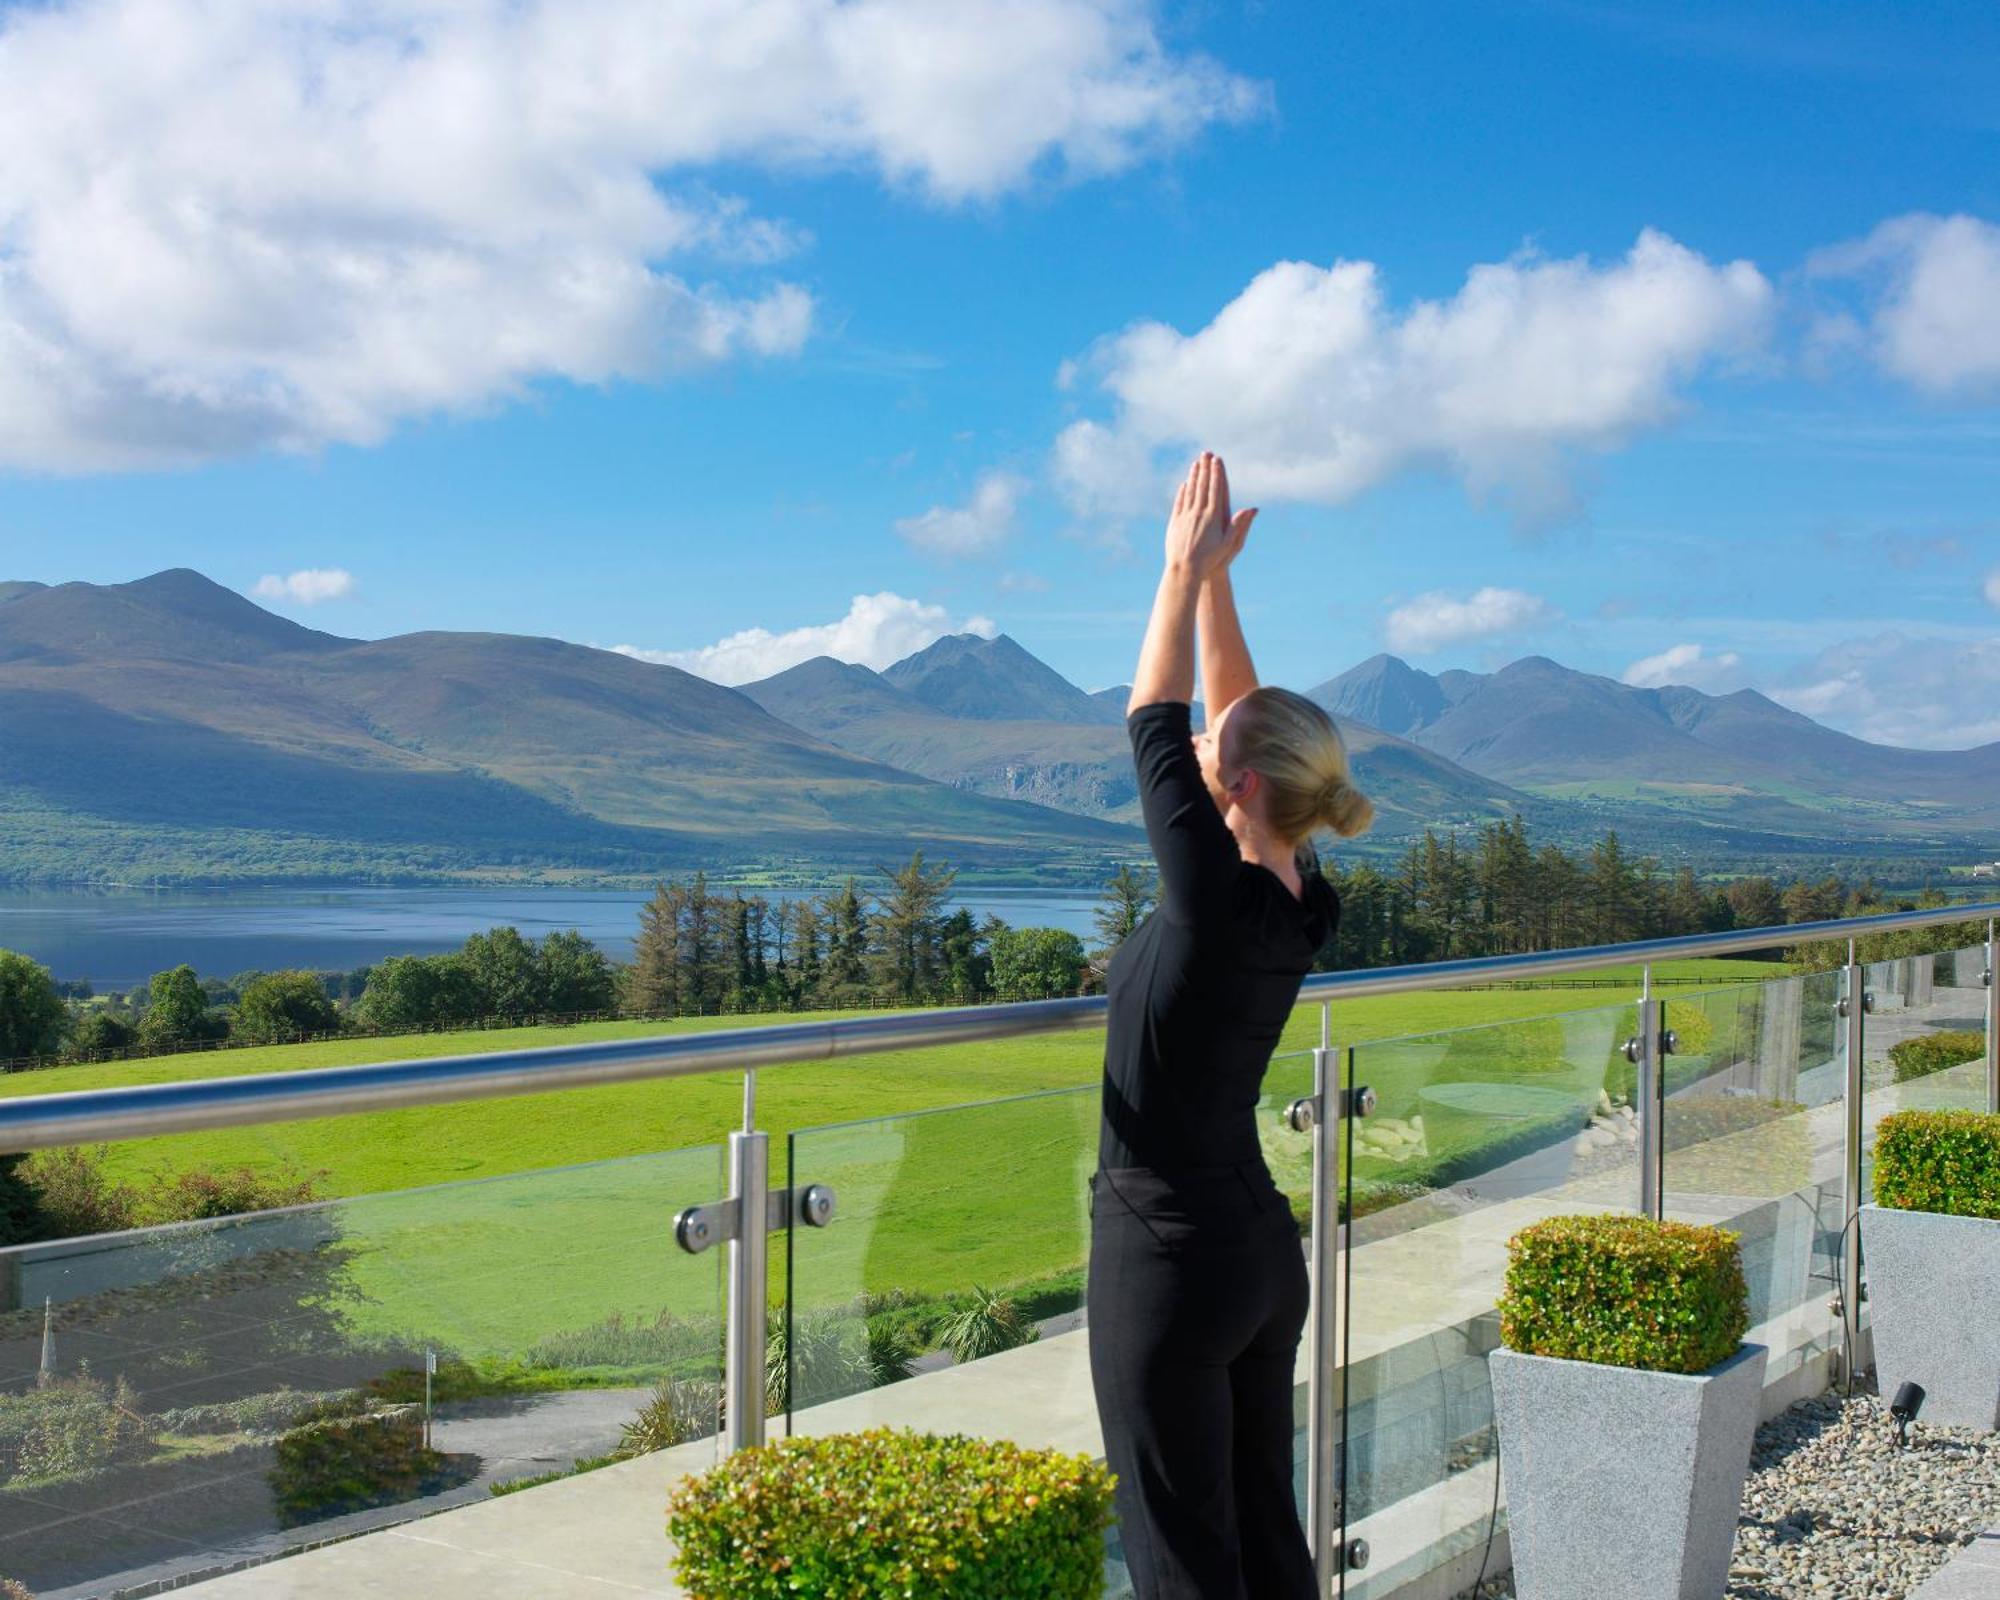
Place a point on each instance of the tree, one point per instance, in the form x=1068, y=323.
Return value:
x=702, y=983
x=572, y=974
x=907, y=923
x=1036, y=963
x=843, y=926
x=419, y=992
x=968, y=968
x=99, y=1032
x=505, y=973
x=1814, y=902
x=1755, y=903
x=1126, y=900
x=285, y=1005
x=176, y=1010
x=653, y=982
x=1612, y=889
x=32, y=1013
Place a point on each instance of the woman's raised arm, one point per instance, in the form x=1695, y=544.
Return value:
x=1197, y=539
x=1226, y=673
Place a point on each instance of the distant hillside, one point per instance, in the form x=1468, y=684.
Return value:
x=1737, y=760
x=1081, y=767
x=160, y=724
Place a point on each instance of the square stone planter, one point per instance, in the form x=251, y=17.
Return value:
x=1622, y=1484
x=1934, y=1303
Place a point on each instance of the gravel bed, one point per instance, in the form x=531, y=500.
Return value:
x=1833, y=1510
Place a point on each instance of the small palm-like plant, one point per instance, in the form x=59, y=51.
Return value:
x=822, y=1357
x=990, y=1324
x=680, y=1409
x=891, y=1355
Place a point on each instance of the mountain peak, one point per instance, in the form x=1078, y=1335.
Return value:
x=994, y=680
x=175, y=614
x=1384, y=692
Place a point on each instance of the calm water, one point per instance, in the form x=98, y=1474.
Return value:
x=117, y=938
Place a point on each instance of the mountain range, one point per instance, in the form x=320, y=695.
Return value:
x=985, y=714
x=1737, y=760
x=169, y=729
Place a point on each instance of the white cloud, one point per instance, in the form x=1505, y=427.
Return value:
x=976, y=528
x=288, y=223
x=1920, y=691
x=1316, y=390
x=1434, y=620
x=1935, y=321
x=878, y=631
x=1686, y=664
x=1991, y=588
x=308, y=587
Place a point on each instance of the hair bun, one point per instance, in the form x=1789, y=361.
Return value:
x=1345, y=808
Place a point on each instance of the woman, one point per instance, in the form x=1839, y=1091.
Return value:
x=1198, y=1288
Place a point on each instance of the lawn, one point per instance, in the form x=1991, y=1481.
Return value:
x=572, y=1225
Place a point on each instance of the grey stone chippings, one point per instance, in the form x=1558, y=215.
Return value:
x=1833, y=1510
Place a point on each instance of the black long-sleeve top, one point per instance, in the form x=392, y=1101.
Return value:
x=1200, y=992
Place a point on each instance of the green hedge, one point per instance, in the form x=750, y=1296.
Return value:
x=1625, y=1291
x=1933, y=1052
x=1945, y=1161
x=867, y=1516
x=69, y=1428
x=344, y=1457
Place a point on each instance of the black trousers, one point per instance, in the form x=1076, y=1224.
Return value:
x=1197, y=1298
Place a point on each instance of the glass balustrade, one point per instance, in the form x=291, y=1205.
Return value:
x=202, y=1395
x=1753, y=1130
x=199, y=1395
x=1475, y=1133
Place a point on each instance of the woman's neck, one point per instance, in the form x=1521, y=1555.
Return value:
x=1256, y=843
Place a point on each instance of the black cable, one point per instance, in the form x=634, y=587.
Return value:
x=1850, y=1316
x=1493, y=1517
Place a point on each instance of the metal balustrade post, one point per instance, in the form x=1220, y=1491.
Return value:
x=1853, y=1008
x=1992, y=1019
x=748, y=1293
x=1327, y=1373
x=1649, y=1100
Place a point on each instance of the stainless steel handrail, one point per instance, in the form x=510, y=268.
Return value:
x=91, y=1116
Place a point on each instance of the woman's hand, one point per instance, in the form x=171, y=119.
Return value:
x=1200, y=535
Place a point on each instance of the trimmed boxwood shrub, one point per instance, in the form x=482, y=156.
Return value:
x=1945, y=1161
x=344, y=1457
x=1933, y=1052
x=1626, y=1292
x=867, y=1516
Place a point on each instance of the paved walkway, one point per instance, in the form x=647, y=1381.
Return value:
x=1972, y=1574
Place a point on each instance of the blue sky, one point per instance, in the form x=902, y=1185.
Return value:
x=555, y=340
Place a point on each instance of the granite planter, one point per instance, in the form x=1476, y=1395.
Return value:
x=1623, y=1484
x=1934, y=1303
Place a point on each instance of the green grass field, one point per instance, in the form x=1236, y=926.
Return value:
x=574, y=1225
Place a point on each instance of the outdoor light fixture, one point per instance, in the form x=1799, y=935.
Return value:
x=1904, y=1408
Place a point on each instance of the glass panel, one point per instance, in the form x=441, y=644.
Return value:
x=197, y=1396
x=960, y=1237
x=1476, y=1133
x=1926, y=1037
x=1753, y=1131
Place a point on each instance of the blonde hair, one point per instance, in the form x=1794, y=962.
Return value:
x=1293, y=745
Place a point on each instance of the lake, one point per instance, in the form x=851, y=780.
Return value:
x=119, y=937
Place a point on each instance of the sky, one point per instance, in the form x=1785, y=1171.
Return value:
x=1663, y=340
